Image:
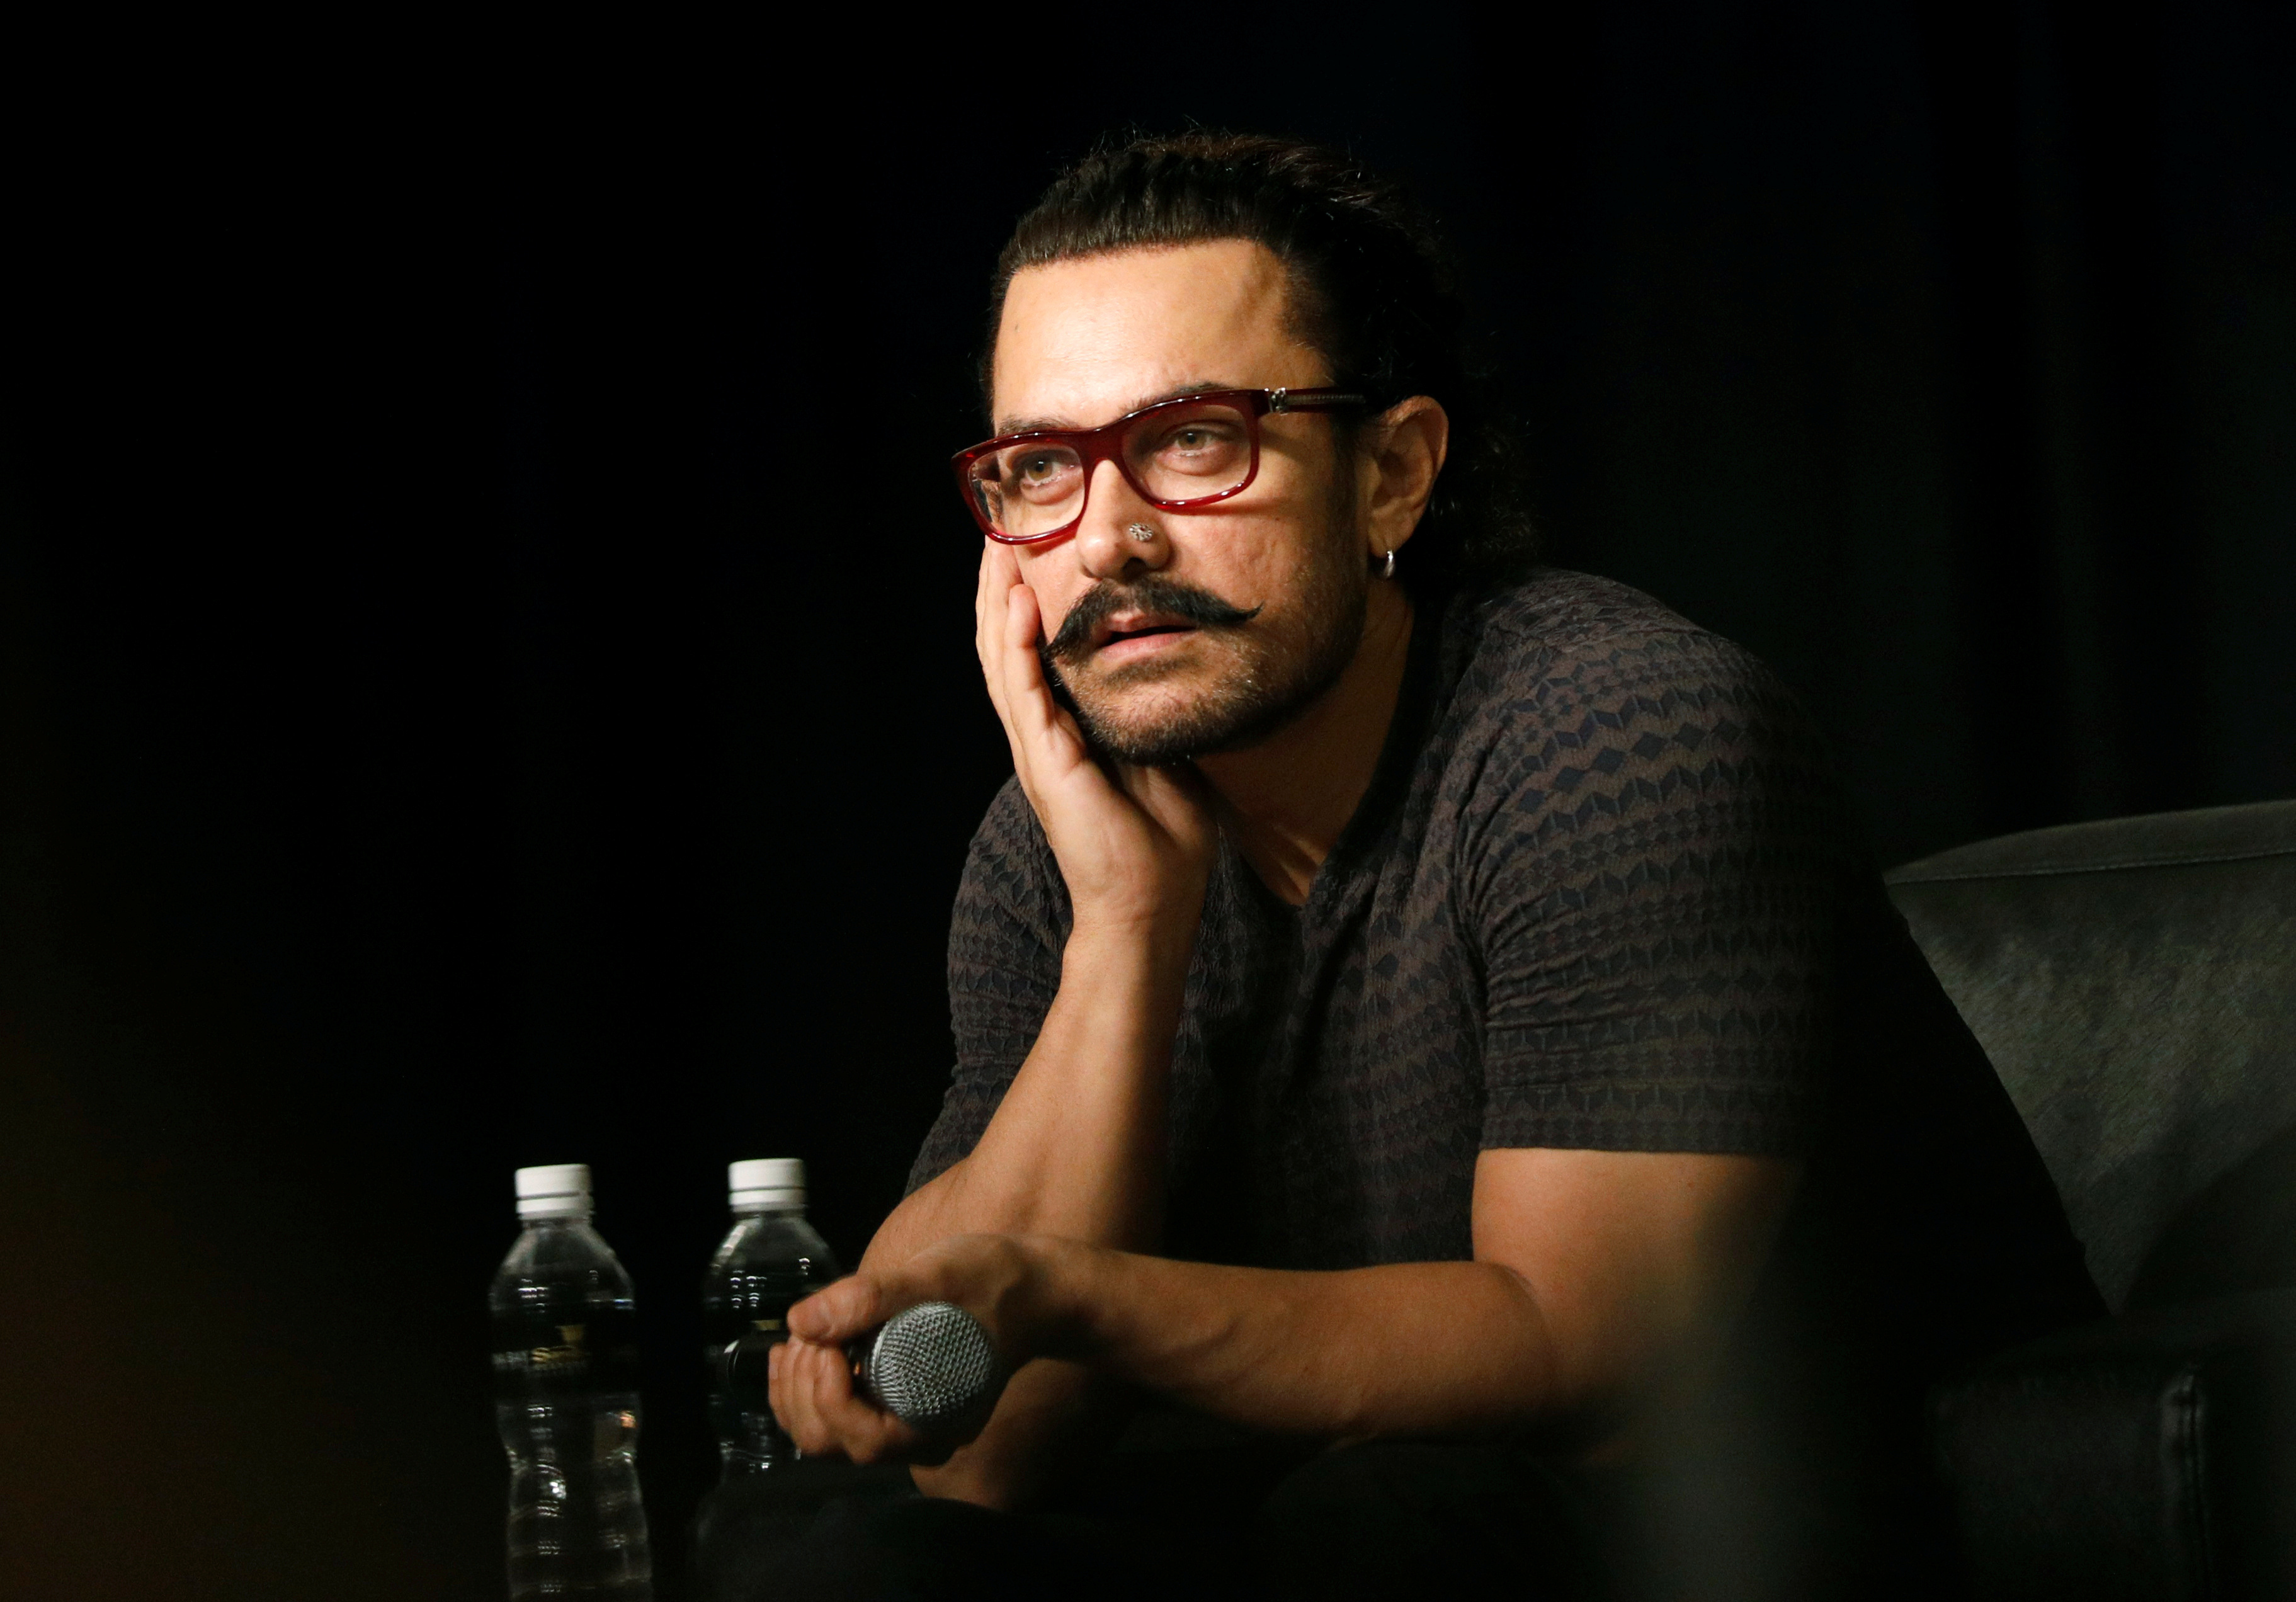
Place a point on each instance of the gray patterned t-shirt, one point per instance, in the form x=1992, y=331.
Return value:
x=1602, y=894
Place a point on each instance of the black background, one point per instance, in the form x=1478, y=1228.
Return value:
x=483, y=620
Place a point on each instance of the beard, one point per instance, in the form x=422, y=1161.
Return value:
x=1279, y=667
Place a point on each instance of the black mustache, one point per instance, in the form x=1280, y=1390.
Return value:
x=1150, y=594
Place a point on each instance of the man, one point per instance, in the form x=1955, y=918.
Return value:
x=1409, y=1003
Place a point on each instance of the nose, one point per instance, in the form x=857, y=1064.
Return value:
x=1103, y=547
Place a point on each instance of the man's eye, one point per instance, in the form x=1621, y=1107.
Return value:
x=1194, y=439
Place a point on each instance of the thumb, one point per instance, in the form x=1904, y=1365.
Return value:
x=853, y=1306
x=1175, y=797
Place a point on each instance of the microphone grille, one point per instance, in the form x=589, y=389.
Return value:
x=930, y=1363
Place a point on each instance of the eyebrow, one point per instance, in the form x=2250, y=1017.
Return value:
x=1029, y=425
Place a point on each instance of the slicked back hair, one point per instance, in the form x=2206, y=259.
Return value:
x=1371, y=291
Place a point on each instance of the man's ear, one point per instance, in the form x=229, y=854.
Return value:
x=1404, y=451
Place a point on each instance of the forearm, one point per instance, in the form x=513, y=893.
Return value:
x=1409, y=1349
x=1076, y=1150
x=1605, y=1285
x=1077, y=1146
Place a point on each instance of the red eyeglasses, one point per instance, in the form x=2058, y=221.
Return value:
x=1180, y=455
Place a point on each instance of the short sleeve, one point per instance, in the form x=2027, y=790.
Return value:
x=1004, y=941
x=1652, y=886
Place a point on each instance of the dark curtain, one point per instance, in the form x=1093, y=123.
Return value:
x=485, y=667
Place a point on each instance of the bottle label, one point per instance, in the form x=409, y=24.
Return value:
x=536, y=1355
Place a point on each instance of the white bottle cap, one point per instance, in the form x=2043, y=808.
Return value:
x=759, y=1182
x=556, y=1190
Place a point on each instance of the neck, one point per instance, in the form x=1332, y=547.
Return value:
x=1286, y=800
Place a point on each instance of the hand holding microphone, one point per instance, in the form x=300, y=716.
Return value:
x=931, y=1366
x=906, y=1361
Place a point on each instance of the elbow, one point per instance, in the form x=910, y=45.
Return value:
x=1534, y=1381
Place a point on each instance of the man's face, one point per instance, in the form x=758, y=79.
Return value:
x=1209, y=636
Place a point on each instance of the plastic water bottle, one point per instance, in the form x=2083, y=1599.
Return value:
x=566, y=1399
x=770, y=1259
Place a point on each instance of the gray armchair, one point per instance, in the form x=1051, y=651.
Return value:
x=2135, y=984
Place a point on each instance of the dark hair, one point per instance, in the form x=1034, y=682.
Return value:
x=1371, y=292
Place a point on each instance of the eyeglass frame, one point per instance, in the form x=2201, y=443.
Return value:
x=1105, y=443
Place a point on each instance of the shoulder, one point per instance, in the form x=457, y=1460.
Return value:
x=1560, y=607
x=1563, y=648
x=1583, y=710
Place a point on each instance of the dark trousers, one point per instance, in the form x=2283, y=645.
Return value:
x=1386, y=1520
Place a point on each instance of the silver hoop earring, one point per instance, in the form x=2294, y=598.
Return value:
x=1388, y=571
x=1140, y=533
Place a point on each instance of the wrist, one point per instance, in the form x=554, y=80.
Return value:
x=1157, y=942
x=1064, y=1307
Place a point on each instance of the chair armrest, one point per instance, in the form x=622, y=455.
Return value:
x=2151, y=1457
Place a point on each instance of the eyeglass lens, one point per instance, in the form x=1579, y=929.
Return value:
x=1183, y=453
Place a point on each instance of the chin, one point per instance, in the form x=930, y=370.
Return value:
x=1148, y=730
x=1160, y=728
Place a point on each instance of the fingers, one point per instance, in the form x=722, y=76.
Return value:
x=997, y=575
x=811, y=1388
x=1000, y=580
x=1000, y=585
x=1030, y=698
x=1008, y=624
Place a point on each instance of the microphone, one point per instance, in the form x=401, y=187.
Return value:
x=931, y=1366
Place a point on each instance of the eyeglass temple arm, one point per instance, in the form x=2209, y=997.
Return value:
x=1285, y=400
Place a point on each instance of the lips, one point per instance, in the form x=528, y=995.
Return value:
x=1121, y=626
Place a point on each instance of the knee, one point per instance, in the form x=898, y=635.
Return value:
x=928, y=1549
x=1388, y=1518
